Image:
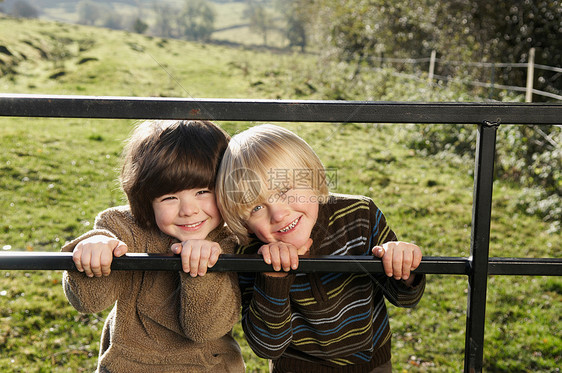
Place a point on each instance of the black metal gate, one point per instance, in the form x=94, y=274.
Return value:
x=487, y=116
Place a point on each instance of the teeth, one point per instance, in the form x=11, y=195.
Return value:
x=192, y=225
x=290, y=226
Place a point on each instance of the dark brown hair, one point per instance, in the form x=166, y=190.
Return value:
x=164, y=157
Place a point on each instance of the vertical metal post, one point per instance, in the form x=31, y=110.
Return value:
x=479, y=248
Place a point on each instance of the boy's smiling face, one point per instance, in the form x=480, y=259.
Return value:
x=189, y=214
x=286, y=216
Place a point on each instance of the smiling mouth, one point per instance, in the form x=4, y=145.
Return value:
x=290, y=226
x=193, y=225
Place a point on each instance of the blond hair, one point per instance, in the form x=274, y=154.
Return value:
x=258, y=162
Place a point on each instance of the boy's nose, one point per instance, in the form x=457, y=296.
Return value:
x=278, y=212
x=188, y=209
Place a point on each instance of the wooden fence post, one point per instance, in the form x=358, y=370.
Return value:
x=431, y=66
x=530, y=77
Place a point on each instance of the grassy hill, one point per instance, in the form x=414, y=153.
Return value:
x=231, y=24
x=64, y=58
x=56, y=174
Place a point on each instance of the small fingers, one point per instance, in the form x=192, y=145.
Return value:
x=106, y=258
x=176, y=248
x=275, y=257
x=264, y=251
x=215, y=253
x=77, y=259
x=378, y=251
x=282, y=256
x=387, y=260
x=406, y=264
x=194, y=261
x=293, y=260
x=185, y=257
x=95, y=265
x=288, y=258
x=93, y=256
x=417, y=258
x=203, y=262
x=197, y=256
x=121, y=249
x=86, y=261
x=397, y=260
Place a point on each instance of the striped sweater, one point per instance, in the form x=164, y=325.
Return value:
x=327, y=322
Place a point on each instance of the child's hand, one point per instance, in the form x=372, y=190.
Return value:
x=399, y=258
x=94, y=255
x=283, y=256
x=197, y=255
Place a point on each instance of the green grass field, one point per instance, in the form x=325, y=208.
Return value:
x=56, y=174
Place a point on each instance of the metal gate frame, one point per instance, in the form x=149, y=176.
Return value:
x=487, y=116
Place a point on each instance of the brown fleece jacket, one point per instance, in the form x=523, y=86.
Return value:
x=161, y=321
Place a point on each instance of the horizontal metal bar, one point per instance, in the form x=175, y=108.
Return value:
x=348, y=263
x=525, y=266
x=23, y=105
x=22, y=260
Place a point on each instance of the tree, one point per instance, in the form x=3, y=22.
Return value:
x=259, y=18
x=295, y=23
x=88, y=12
x=197, y=20
x=23, y=9
x=296, y=32
x=506, y=31
x=112, y=21
x=476, y=30
x=139, y=26
x=165, y=20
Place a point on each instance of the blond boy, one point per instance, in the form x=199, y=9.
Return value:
x=273, y=194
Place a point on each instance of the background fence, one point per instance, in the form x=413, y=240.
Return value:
x=491, y=67
x=487, y=116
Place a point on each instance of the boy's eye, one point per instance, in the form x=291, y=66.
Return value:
x=203, y=191
x=257, y=208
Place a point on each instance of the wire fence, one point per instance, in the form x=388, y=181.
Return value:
x=433, y=61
